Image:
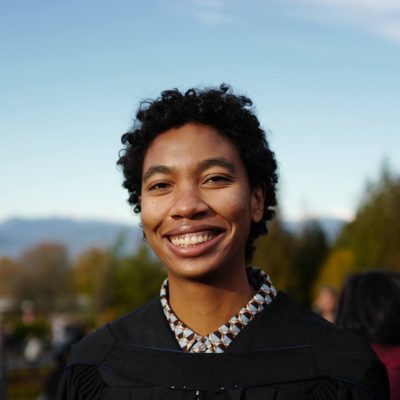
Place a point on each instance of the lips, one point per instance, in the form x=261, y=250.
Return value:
x=186, y=239
x=192, y=239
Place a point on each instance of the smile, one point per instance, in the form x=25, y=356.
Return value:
x=192, y=239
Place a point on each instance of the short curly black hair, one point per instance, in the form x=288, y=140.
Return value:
x=231, y=115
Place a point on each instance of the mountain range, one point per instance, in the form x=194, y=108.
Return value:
x=19, y=234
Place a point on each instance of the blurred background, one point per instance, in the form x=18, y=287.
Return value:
x=324, y=78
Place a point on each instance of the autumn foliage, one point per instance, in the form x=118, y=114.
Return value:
x=102, y=283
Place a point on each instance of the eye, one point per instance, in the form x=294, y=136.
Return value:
x=217, y=179
x=158, y=186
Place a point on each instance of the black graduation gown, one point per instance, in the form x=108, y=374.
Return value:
x=286, y=352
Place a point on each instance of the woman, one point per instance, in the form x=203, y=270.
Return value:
x=200, y=172
x=370, y=304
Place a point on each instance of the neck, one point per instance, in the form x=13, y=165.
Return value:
x=204, y=307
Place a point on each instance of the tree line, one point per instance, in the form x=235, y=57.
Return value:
x=302, y=263
x=99, y=284
x=104, y=283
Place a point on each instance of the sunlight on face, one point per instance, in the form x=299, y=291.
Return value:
x=197, y=206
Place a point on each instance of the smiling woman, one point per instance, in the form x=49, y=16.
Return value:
x=200, y=172
x=203, y=192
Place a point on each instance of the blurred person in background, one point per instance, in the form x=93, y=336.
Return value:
x=370, y=304
x=199, y=170
x=326, y=303
x=33, y=349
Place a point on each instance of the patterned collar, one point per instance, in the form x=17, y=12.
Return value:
x=219, y=340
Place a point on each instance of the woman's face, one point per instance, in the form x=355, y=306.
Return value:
x=196, y=203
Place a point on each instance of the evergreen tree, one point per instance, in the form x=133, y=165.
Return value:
x=372, y=239
x=135, y=280
x=292, y=260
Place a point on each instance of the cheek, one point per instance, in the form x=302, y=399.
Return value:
x=153, y=215
x=237, y=210
x=147, y=215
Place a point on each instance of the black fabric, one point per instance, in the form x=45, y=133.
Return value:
x=285, y=353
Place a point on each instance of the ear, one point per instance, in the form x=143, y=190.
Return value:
x=257, y=202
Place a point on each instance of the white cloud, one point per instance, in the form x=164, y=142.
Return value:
x=378, y=17
x=211, y=17
x=210, y=12
x=210, y=4
x=391, y=31
x=376, y=5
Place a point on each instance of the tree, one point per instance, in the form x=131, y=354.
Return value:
x=335, y=270
x=275, y=254
x=90, y=277
x=45, y=277
x=292, y=260
x=10, y=276
x=311, y=251
x=135, y=280
x=372, y=239
x=374, y=235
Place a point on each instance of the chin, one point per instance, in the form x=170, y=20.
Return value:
x=204, y=270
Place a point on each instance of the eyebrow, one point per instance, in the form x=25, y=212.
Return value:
x=217, y=162
x=204, y=165
x=156, y=169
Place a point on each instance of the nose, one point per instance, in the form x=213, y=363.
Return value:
x=189, y=203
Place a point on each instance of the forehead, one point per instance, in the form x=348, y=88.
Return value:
x=190, y=144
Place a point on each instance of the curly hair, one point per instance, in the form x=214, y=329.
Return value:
x=231, y=115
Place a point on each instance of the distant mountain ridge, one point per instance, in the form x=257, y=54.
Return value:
x=330, y=226
x=18, y=234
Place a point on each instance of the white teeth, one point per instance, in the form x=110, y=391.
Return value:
x=191, y=239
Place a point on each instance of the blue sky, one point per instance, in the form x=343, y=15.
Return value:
x=324, y=76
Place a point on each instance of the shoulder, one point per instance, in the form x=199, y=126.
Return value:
x=335, y=352
x=306, y=327
x=289, y=323
x=81, y=375
x=143, y=317
x=93, y=348
x=338, y=353
x=350, y=359
x=146, y=326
